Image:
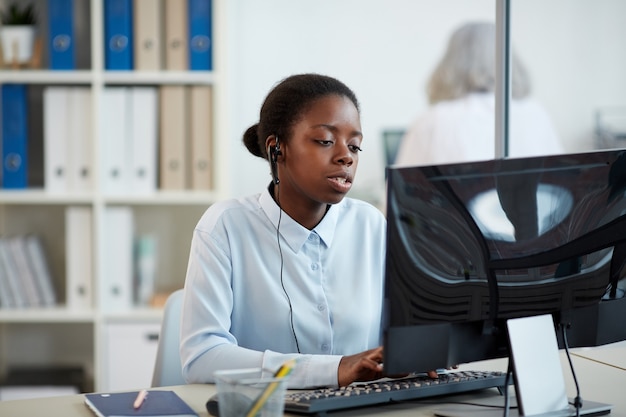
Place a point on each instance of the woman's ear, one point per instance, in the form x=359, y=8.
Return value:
x=273, y=148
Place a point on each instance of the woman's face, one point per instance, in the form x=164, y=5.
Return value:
x=319, y=162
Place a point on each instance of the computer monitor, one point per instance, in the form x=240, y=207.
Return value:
x=471, y=245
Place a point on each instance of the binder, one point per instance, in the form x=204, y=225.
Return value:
x=143, y=139
x=83, y=33
x=115, y=174
x=173, y=139
x=176, y=35
x=200, y=35
x=6, y=291
x=12, y=274
x=147, y=36
x=35, y=149
x=56, y=132
x=80, y=143
x=14, y=136
x=41, y=271
x=201, y=137
x=78, y=257
x=30, y=292
x=118, y=34
x=116, y=286
x=61, y=40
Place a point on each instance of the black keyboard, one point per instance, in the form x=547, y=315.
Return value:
x=387, y=390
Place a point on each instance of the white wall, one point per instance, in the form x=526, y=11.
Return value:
x=385, y=49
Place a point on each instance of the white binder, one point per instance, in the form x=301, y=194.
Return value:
x=78, y=257
x=56, y=117
x=142, y=144
x=80, y=142
x=116, y=284
x=115, y=173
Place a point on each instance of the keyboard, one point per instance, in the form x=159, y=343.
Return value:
x=388, y=390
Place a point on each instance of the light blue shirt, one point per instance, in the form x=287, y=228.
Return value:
x=236, y=313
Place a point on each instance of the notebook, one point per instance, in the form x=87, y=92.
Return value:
x=120, y=404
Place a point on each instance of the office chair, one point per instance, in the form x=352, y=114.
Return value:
x=168, y=368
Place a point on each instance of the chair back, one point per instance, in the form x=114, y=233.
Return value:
x=168, y=368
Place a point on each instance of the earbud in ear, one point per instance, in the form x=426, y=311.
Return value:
x=274, y=153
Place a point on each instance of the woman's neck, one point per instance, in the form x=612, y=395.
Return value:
x=308, y=216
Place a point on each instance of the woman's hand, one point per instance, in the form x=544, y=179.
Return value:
x=364, y=366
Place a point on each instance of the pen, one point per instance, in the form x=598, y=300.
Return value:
x=141, y=397
x=284, y=370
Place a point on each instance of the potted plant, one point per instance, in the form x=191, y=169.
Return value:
x=17, y=33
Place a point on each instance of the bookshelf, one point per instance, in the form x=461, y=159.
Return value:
x=81, y=334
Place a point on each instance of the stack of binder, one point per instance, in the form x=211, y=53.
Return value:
x=25, y=279
x=186, y=138
x=68, y=145
x=158, y=34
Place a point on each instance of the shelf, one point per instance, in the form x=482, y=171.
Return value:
x=135, y=315
x=169, y=198
x=77, y=77
x=97, y=238
x=158, y=77
x=42, y=197
x=46, y=315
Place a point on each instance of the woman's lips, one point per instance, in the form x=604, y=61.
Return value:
x=340, y=184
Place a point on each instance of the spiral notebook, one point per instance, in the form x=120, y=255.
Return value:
x=157, y=403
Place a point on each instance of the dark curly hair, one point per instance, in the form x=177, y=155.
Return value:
x=284, y=105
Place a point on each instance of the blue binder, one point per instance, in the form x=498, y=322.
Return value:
x=118, y=34
x=61, y=34
x=200, y=35
x=14, y=136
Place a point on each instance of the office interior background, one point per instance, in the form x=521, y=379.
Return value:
x=384, y=50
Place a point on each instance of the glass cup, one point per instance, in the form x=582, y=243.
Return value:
x=245, y=393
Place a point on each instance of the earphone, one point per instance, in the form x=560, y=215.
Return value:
x=274, y=152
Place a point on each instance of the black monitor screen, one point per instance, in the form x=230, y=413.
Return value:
x=471, y=245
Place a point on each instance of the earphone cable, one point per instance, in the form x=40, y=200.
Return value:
x=282, y=282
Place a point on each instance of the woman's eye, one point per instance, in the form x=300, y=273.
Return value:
x=355, y=148
x=325, y=142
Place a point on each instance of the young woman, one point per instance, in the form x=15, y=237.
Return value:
x=296, y=270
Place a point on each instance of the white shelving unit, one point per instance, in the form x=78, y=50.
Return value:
x=58, y=336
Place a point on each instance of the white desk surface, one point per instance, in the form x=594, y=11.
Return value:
x=613, y=354
x=598, y=382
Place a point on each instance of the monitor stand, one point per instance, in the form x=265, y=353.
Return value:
x=538, y=375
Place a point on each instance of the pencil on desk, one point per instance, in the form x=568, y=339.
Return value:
x=282, y=372
x=141, y=397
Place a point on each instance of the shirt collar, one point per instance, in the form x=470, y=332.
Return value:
x=293, y=232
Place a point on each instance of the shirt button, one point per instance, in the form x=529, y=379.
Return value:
x=324, y=347
x=314, y=267
x=311, y=237
x=321, y=307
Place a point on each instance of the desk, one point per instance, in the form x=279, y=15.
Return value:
x=598, y=382
x=613, y=354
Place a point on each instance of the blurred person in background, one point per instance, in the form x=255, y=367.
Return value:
x=459, y=125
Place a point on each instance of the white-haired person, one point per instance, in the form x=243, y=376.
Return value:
x=459, y=124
